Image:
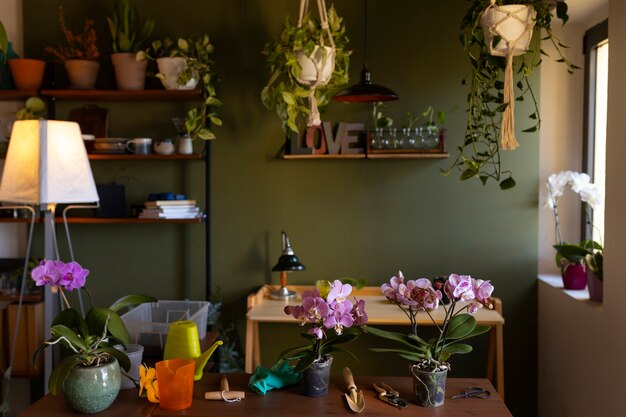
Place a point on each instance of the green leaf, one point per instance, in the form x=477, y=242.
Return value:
x=457, y=348
x=305, y=362
x=414, y=357
x=60, y=372
x=97, y=320
x=460, y=326
x=573, y=253
x=398, y=337
x=507, y=183
x=131, y=300
x=63, y=332
x=121, y=357
x=72, y=319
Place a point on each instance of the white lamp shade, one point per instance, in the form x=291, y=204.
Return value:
x=47, y=163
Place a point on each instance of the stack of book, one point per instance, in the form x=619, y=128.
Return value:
x=170, y=209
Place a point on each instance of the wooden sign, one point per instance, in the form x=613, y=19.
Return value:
x=318, y=140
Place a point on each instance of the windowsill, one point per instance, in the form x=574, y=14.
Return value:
x=555, y=281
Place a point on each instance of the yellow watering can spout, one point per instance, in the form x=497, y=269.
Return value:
x=202, y=360
x=183, y=342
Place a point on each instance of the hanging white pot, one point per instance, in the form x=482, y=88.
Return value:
x=317, y=67
x=508, y=30
x=169, y=68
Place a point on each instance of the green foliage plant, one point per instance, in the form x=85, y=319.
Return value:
x=126, y=31
x=479, y=154
x=283, y=92
x=4, y=41
x=198, y=54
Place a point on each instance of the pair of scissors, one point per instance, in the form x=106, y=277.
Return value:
x=473, y=392
x=389, y=395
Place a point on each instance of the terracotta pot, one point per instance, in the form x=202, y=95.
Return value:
x=82, y=73
x=574, y=277
x=130, y=74
x=169, y=68
x=27, y=73
x=595, y=286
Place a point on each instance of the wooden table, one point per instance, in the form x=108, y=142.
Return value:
x=262, y=309
x=288, y=403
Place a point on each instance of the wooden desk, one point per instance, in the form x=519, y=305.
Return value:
x=262, y=309
x=288, y=403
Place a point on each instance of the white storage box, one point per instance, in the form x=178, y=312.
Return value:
x=148, y=323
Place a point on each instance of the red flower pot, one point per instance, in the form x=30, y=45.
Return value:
x=574, y=276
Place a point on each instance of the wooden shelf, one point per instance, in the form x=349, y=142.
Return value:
x=326, y=156
x=28, y=298
x=16, y=95
x=414, y=155
x=123, y=95
x=135, y=157
x=101, y=220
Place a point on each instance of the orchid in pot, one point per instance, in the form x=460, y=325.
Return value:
x=575, y=259
x=333, y=320
x=90, y=373
x=429, y=358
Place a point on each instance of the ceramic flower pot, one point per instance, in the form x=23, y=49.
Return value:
x=27, y=73
x=513, y=22
x=574, y=277
x=429, y=388
x=317, y=67
x=169, y=68
x=93, y=389
x=130, y=74
x=595, y=286
x=82, y=73
x=315, y=379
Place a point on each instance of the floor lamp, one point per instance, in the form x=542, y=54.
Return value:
x=46, y=165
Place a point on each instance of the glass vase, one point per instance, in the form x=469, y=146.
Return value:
x=315, y=379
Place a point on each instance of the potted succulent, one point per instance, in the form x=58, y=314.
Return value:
x=296, y=95
x=429, y=358
x=185, y=64
x=90, y=373
x=79, y=54
x=496, y=53
x=128, y=38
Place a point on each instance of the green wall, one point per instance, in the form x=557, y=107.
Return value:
x=357, y=218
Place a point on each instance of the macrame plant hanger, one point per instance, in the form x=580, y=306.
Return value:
x=515, y=45
x=319, y=61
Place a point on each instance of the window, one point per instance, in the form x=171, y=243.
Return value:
x=596, y=45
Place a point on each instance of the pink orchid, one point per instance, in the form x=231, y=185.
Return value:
x=340, y=316
x=72, y=276
x=315, y=309
x=46, y=273
x=459, y=287
x=318, y=332
x=482, y=290
x=358, y=311
x=422, y=295
x=338, y=292
x=391, y=290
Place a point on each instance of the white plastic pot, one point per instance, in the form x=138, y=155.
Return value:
x=170, y=67
x=511, y=24
x=321, y=61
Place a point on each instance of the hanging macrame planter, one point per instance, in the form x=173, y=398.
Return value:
x=508, y=31
x=316, y=68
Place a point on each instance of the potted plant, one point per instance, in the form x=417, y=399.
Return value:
x=27, y=73
x=128, y=38
x=332, y=320
x=580, y=264
x=183, y=65
x=90, y=374
x=293, y=95
x=79, y=54
x=429, y=358
x=496, y=53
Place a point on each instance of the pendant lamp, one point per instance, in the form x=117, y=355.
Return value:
x=365, y=91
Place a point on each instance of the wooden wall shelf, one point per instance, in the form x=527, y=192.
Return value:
x=102, y=220
x=28, y=298
x=135, y=157
x=16, y=95
x=432, y=155
x=123, y=95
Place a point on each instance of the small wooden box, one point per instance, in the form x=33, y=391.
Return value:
x=30, y=337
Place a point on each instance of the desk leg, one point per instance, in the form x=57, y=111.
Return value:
x=253, y=350
x=495, y=359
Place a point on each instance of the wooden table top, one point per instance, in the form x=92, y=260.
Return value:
x=289, y=403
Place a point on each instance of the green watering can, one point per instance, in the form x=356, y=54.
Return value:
x=183, y=342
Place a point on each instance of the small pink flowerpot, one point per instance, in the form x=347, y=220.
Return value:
x=595, y=286
x=574, y=277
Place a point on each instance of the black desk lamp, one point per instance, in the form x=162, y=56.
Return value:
x=288, y=261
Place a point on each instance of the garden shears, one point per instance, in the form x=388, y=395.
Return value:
x=473, y=392
x=389, y=395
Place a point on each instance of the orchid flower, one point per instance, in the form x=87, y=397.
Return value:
x=340, y=316
x=72, y=276
x=338, y=292
x=46, y=273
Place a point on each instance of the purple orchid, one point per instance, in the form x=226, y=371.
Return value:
x=318, y=332
x=459, y=287
x=391, y=290
x=315, y=309
x=340, y=316
x=338, y=292
x=359, y=314
x=73, y=276
x=46, y=273
x=421, y=294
